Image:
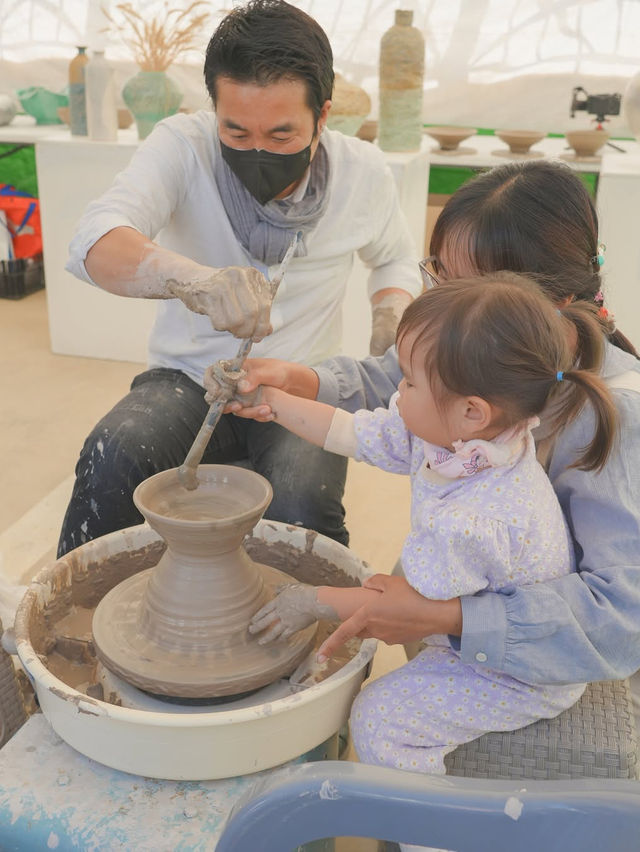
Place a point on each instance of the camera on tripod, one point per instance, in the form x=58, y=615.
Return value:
x=598, y=105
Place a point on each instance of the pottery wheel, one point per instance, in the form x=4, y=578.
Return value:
x=237, y=664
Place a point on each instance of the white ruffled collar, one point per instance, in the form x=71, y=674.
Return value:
x=470, y=457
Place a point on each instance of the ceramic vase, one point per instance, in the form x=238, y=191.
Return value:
x=350, y=105
x=77, y=94
x=631, y=105
x=181, y=628
x=401, y=84
x=102, y=110
x=151, y=96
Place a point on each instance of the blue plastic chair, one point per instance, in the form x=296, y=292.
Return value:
x=338, y=799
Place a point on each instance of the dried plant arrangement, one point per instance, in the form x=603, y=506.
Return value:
x=158, y=42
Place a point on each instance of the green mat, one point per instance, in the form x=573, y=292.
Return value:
x=444, y=180
x=18, y=167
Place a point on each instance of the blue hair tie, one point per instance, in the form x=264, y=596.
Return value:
x=598, y=258
x=559, y=376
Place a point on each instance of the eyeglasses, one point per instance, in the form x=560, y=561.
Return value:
x=429, y=278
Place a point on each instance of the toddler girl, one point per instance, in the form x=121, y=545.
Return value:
x=481, y=358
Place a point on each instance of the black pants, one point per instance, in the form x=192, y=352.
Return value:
x=152, y=429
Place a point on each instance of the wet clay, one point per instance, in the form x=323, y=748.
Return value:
x=180, y=628
x=72, y=659
x=210, y=655
x=305, y=566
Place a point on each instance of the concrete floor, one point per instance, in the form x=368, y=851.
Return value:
x=48, y=405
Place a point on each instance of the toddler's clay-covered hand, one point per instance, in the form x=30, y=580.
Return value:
x=221, y=383
x=236, y=298
x=247, y=399
x=385, y=316
x=293, y=608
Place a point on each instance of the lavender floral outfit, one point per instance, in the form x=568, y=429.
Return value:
x=484, y=517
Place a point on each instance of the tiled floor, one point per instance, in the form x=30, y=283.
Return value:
x=49, y=402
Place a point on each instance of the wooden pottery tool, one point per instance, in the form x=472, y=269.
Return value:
x=187, y=472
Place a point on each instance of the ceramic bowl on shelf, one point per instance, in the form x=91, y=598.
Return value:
x=42, y=104
x=520, y=141
x=586, y=143
x=449, y=137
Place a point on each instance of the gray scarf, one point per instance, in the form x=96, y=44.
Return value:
x=266, y=230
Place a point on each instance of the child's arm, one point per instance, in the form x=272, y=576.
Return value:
x=304, y=417
x=298, y=605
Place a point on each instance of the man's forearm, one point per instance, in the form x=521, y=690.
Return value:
x=380, y=295
x=235, y=298
x=127, y=263
x=387, y=307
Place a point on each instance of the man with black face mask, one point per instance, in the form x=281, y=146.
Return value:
x=200, y=220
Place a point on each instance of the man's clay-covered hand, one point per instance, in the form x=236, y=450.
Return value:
x=385, y=316
x=293, y=608
x=236, y=299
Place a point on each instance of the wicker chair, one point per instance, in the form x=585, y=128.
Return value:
x=596, y=738
x=12, y=709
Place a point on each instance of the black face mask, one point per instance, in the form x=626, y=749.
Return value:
x=264, y=173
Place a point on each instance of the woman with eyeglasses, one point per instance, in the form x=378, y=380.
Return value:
x=533, y=217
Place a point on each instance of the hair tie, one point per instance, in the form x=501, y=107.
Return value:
x=598, y=257
x=559, y=376
x=606, y=315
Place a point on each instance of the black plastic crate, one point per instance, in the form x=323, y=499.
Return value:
x=20, y=277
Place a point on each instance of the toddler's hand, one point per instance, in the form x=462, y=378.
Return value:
x=221, y=382
x=293, y=608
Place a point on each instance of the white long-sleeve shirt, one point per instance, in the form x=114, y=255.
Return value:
x=168, y=193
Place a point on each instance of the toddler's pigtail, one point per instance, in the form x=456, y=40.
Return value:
x=588, y=385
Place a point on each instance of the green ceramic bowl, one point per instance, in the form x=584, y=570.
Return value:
x=42, y=104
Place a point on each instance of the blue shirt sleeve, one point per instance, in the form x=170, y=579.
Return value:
x=585, y=626
x=352, y=385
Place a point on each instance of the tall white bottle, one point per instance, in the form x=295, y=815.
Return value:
x=102, y=109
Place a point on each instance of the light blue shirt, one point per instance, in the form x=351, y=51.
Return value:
x=580, y=627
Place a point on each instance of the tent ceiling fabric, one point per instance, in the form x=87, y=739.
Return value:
x=464, y=38
x=473, y=47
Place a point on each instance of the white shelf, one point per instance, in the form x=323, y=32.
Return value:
x=83, y=320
